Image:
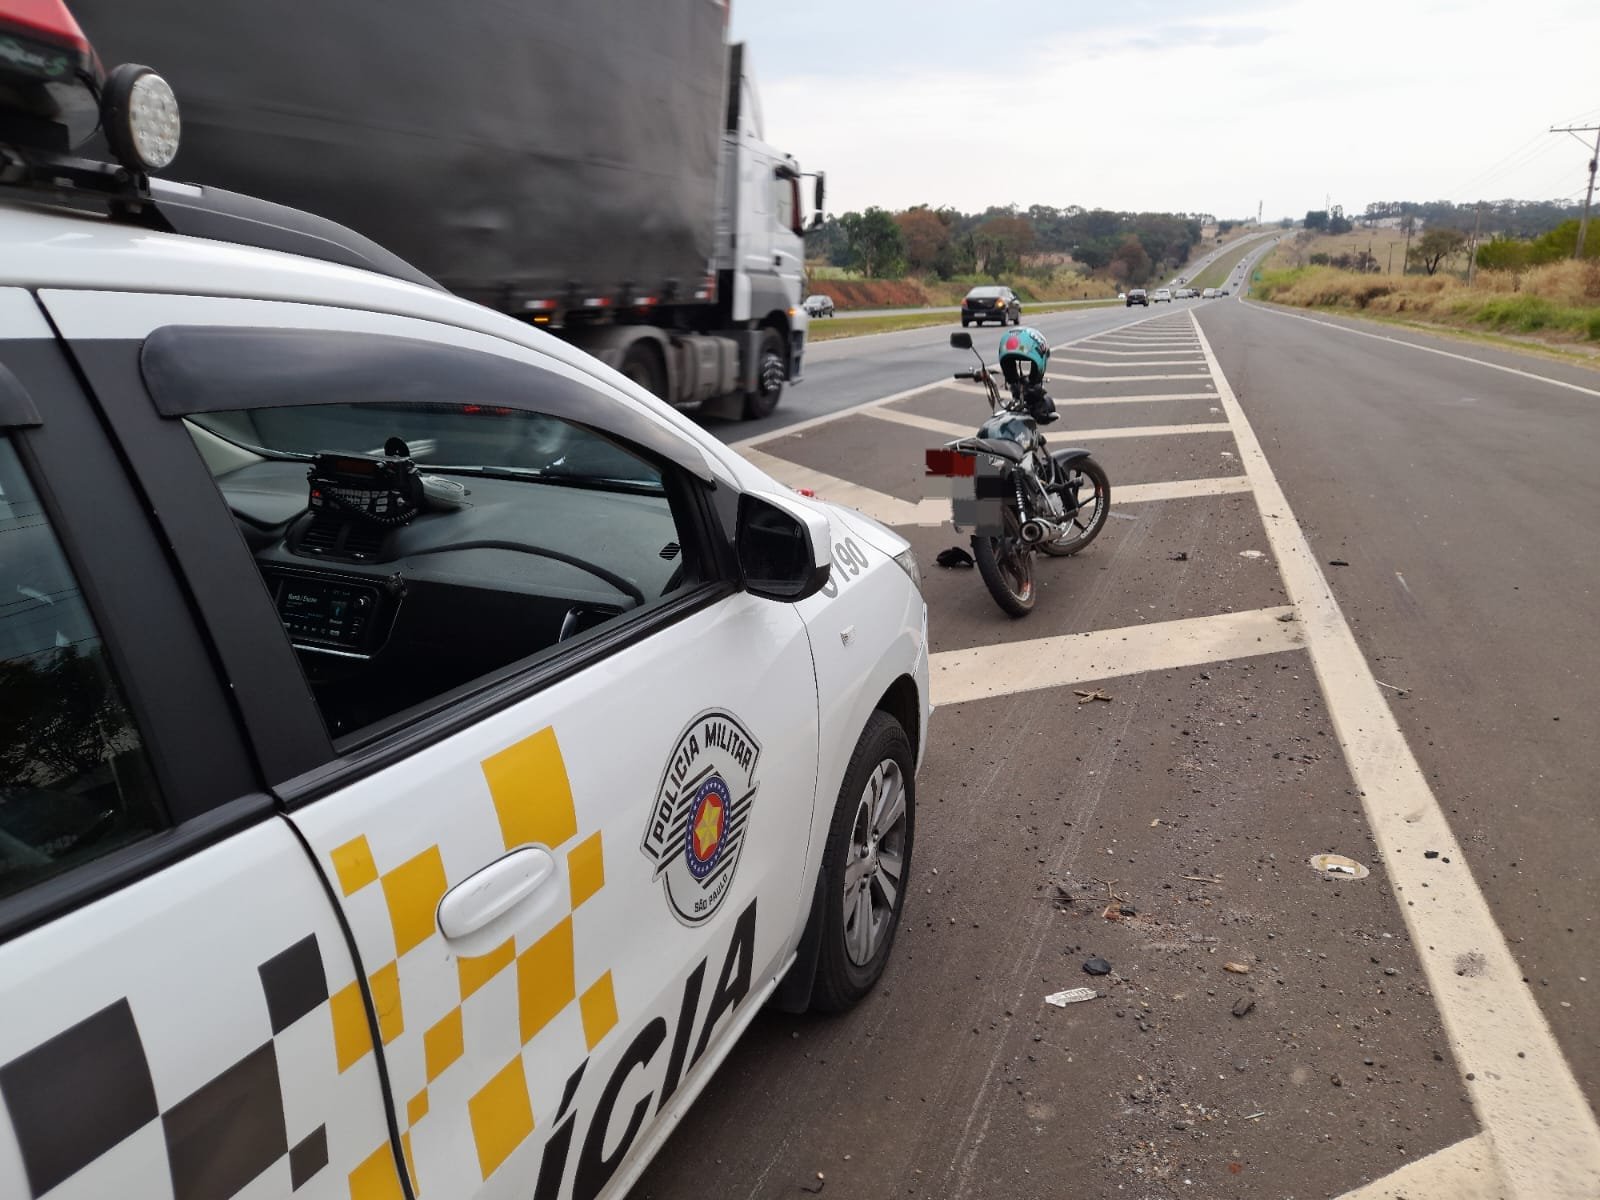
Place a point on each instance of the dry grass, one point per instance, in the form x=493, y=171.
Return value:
x=1559, y=301
x=851, y=291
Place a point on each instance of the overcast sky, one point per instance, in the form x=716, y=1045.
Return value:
x=1142, y=104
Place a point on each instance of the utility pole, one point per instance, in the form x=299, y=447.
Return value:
x=1472, y=250
x=1405, y=261
x=1594, y=158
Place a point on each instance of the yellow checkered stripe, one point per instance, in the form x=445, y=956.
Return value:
x=532, y=799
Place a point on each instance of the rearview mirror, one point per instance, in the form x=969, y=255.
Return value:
x=783, y=547
x=961, y=341
x=821, y=187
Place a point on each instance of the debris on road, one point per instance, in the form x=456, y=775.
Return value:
x=1097, y=966
x=1404, y=692
x=1071, y=996
x=1337, y=562
x=1201, y=878
x=1430, y=854
x=1253, y=1116
x=1084, y=697
x=1180, y=556
x=1338, y=864
x=1286, y=617
x=821, y=1183
x=1251, y=554
x=955, y=556
x=1236, y=968
x=1243, y=1005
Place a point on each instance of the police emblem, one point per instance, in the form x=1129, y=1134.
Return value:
x=701, y=809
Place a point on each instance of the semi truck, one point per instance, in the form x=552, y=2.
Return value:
x=598, y=169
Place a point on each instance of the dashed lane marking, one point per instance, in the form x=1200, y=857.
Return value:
x=1544, y=1136
x=1462, y=1171
x=956, y=676
x=951, y=429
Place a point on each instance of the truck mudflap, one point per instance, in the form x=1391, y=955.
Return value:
x=797, y=355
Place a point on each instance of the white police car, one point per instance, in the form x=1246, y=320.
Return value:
x=423, y=751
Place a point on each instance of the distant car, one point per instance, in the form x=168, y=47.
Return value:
x=1122, y=295
x=1225, y=291
x=1209, y=294
x=984, y=304
x=1137, y=296
x=1163, y=294
x=819, y=306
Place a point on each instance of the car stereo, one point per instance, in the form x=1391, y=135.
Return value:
x=330, y=614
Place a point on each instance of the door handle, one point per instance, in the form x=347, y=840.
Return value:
x=495, y=890
x=777, y=260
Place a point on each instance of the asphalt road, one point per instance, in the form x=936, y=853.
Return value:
x=1345, y=604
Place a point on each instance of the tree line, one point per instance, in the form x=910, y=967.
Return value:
x=945, y=242
x=1508, y=218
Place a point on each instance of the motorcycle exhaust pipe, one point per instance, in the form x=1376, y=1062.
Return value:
x=1038, y=530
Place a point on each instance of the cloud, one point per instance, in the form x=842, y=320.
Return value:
x=1128, y=108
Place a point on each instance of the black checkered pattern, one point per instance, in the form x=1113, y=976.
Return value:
x=82, y=1092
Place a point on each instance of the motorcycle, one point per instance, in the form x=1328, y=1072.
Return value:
x=1025, y=497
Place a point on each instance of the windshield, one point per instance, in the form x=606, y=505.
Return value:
x=456, y=439
x=983, y=293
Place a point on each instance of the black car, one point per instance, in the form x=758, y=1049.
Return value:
x=1138, y=296
x=991, y=304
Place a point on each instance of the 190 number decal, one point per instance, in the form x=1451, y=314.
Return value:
x=849, y=560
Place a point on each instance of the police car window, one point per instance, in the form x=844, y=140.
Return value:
x=74, y=779
x=415, y=550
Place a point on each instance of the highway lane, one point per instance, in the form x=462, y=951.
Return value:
x=1463, y=498
x=1386, y=1044
x=851, y=371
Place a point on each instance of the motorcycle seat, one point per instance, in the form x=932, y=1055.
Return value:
x=1006, y=450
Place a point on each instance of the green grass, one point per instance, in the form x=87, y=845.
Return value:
x=1217, y=273
x=826, y=331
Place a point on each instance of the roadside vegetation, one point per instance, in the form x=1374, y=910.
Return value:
x=925, y=256
x=1520, y=286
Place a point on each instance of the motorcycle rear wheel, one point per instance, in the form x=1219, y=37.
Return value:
x=1006, y=564
x=1084, y=526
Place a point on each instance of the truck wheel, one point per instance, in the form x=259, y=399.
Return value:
x=642, y=364
x=769, y=378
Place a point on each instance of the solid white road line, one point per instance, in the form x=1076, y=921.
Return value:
x=1467, y=358
x=1175, y=489
x=852, y=410
x=1462, y=1171
x=951, y=429
x=1125, y=378
x=1191, y=361
x=1064, y=402
x=1191, y=349
x=956, y=676
x=1545, y=1138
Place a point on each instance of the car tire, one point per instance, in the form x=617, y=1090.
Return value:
x=859, y=919
x=965, y=321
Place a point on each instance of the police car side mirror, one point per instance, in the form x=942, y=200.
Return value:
x=783, y=547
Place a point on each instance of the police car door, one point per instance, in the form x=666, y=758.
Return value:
x=570, y=793
x=167, y=951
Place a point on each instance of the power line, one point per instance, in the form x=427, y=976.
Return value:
x=1588, y=196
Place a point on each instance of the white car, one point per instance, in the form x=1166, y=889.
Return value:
x=818, y=305
x=1163, y=294
x=1210, y=294
x=431, y=750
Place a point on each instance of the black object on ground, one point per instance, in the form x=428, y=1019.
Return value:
x=954, y=557
x=1097, y=966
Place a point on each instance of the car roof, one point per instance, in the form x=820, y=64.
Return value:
x=987, y=289
x=45, y=246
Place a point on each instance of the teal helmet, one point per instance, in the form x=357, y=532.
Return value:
x=1024, y=355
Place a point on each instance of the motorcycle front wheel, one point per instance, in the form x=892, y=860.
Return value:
x=1084, y=525
x=1006, y=564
